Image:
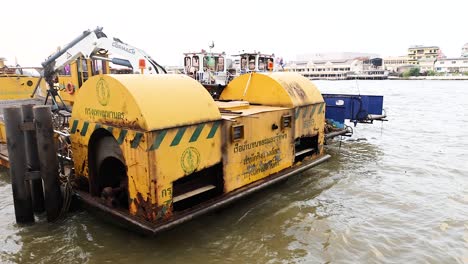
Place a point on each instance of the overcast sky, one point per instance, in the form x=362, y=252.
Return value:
x=32, y=30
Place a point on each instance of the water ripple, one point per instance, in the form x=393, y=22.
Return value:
x=400, y=196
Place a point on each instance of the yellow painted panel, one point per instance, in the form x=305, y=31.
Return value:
x=263, y=150
x=139, y=183
x=146, y=102
x=80, y=133
x=17, y=86
x=103, y=99
x=256, y=88
x=285, y=89
x=182, y=151
x=64, y=81
x=168, y=100
x=310, y=120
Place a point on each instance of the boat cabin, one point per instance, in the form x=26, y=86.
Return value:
x=206, y=67
x=256, y=62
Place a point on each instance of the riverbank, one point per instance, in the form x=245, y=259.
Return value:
x=444, y=78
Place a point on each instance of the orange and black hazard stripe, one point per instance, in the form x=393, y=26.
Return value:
x=83, y=128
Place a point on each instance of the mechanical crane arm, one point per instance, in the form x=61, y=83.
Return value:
x=93, y=44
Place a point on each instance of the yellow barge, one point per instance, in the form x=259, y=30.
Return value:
x=154, y=151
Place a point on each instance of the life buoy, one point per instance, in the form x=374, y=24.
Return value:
x=70, y=88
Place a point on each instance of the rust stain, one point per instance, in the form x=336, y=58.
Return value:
x=145, y=209
x=4, y=162
x=294, y=89
x=154, y=182
x=165, y=211
x=149, y=211
x=83, y=167
x=124, y=123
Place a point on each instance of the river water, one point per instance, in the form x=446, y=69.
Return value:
x=396, y=192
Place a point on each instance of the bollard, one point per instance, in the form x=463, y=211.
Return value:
x=37, y=193
x=15, y=144
x=48, y=161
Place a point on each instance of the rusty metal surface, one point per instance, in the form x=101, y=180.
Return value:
x=4, y=161
x=127, y=221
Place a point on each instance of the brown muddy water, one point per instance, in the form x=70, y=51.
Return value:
x=396, y=192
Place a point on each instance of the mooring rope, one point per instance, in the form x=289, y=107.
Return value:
x=67, y=197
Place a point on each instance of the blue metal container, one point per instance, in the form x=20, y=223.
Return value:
x=356, y=108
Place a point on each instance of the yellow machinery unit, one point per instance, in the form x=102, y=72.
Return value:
x=157, y=150
x=292, y=91
x=148, y=130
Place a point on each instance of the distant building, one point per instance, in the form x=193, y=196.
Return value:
x=417, y=53
x=396, y=64
x=342, y=69
x=334, y=56
x=465, y=50
x=452, y=65
x=426, y=64
x=325, y=69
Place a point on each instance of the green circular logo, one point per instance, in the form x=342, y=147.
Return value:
x=103, y=92
x=190, y=160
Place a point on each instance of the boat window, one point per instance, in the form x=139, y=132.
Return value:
x=208, y=63
x=244, y=63
x=261, y=64
x=195, y=60
x=187, y=61
x=99, y=66
x=220, y=64
x=66, y=71
x=252, y=63
x=105, y=66
x=83, y=66
x=187, y=64
x=82, y=71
